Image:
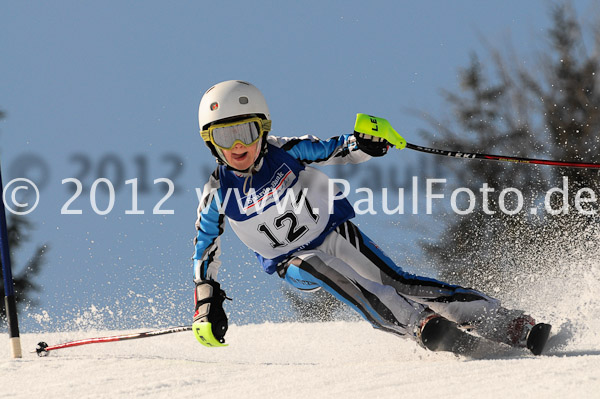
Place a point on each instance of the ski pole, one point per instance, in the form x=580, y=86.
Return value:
x=42, y=348
x=374, y=126
x=460, y=154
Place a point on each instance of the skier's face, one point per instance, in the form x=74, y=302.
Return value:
x=241, y=157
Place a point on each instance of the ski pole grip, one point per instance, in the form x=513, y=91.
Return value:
x=378, y=127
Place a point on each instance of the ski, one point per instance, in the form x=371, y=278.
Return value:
x=439, y=334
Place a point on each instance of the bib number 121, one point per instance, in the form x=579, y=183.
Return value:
x=289, y=219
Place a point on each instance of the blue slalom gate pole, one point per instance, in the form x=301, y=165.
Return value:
x=9, y=289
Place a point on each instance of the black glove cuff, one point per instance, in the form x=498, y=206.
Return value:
x=207, y=289
x=367, y=145
x=209, y=306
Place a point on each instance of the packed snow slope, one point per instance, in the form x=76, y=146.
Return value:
x=338, y=359
x=297, y=360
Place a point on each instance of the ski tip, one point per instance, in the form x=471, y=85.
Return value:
x=538, y=336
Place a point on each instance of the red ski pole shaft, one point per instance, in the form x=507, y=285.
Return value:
x=470, y=155
x=43, y=348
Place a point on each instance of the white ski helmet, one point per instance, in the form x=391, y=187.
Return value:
x=231, y=99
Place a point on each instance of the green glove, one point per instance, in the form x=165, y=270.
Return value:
x=204, y=335
x=378, y=127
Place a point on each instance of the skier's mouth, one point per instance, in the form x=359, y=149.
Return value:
x=240, y=156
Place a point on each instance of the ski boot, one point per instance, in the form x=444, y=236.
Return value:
x=439, y=334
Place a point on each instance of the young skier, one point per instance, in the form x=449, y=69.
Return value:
x=310, y=240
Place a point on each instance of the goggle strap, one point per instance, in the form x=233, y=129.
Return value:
x=266, y=124
x=205, y=135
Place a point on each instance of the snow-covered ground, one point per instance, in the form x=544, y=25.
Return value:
x=296, y=360
x=345, y=358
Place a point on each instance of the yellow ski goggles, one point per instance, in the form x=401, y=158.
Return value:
x=244, y=131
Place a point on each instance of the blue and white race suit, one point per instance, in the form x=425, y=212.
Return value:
x=290, y=216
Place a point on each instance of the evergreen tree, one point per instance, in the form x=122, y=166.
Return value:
x=24, y=284
x=548, y=109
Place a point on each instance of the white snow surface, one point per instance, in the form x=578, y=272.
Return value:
x=341, y=359
x=338, y=359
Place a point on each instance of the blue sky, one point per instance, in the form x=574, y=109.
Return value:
x=111, y=89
